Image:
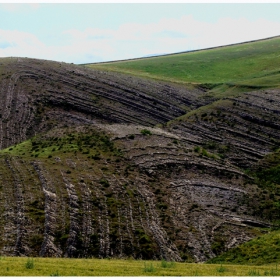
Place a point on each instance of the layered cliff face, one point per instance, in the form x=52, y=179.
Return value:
x=107, y=165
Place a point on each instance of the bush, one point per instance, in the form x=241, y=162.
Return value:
x=146, y=132
x=197, y=149
x=221, y=269
x=104, y=183
x=166, y=264
x=149, y=268
x=29, y=264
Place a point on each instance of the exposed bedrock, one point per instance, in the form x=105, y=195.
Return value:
x=133, y=184
x=242, y=129
x=39, y=95
x=159, y=200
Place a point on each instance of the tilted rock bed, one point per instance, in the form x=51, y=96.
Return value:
x=100, y=177
x=146, y=202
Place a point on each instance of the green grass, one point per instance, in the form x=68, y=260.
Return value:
x=258, y=251
x=16, y=266
x=250, y=65
x=166, y=264
x=91, y=143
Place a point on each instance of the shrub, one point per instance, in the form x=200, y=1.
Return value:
x=221, y=269
x=197, y=149
x=146, y=132
x=149, y=268
x=166, y=264
x=29, y=264
x=104, y=183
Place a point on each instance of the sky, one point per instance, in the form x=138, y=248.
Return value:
x=95, y=32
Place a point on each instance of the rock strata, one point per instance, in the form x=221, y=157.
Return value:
x=97, y=164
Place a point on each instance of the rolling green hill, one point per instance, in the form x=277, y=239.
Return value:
x=253, y=64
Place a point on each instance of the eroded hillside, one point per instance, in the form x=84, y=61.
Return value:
x=38, y=95
x=108, y=165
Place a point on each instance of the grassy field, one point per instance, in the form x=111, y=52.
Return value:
x=255, y=64
x=20, y=266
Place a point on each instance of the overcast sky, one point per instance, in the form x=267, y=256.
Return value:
x=95, y=32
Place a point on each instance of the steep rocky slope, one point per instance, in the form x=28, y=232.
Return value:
x=243, y=129
x=107, y=165
x=38, y=95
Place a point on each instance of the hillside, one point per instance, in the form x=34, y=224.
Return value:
x=261, y=250
x=245, y=66
x=106, y=164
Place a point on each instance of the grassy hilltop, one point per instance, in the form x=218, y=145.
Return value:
x=254, y=64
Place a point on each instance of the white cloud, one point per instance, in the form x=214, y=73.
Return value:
x=16, y=7
x=34, y=5
x=172, y=35
x=18, y=42
x=132, y=40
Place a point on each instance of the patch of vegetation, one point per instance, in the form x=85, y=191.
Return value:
x=55, y=273
x=203, y=152
x=104, y=183
x=166, y=264
x=221, y=269
x=36, y=211
x=272, y=271
x=261, y=250
x=90, y=142
x=148, y=267
x=267, y=176
x=253, y=272
x=29, y=264
x=218, y=245
x=146, y=132
x=196, y=149
x=147, y=245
